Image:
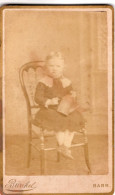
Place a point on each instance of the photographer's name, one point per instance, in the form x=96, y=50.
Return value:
x=14, y=185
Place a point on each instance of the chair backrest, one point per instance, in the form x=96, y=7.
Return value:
x=30, y=74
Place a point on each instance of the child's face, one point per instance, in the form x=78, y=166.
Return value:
x=55, y=68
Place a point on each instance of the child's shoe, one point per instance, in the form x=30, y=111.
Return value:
x=66, y=152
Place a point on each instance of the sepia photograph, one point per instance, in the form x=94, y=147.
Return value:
x=57, y=99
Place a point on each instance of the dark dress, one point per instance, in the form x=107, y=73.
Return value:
x=49, y=118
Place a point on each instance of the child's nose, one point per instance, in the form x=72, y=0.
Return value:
x=54, y=69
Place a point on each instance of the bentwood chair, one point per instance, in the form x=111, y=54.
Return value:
x=30, y=74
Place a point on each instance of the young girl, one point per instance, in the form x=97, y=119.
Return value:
x=53, y=114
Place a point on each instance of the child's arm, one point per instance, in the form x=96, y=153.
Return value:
x=71, y=92
x=69, y=89
x=41, y=97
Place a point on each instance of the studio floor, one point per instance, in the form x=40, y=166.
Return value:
x=16, y=158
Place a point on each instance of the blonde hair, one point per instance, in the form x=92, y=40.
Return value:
x=54, y=56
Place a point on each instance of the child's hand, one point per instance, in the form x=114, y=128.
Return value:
x=53, y=101
x=73, y=93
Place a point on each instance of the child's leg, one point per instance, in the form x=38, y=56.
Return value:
x=64, y=140
x=60, y=137
x=68, y=137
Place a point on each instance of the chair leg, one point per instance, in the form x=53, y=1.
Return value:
x=87, y=156
x=28, y=154
x=42, y=161
x=58, y=156
x=86, y=152
x=42, y=154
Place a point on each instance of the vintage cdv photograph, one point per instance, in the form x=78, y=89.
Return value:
x=57, y=75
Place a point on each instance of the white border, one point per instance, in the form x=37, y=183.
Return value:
x=60, y=178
